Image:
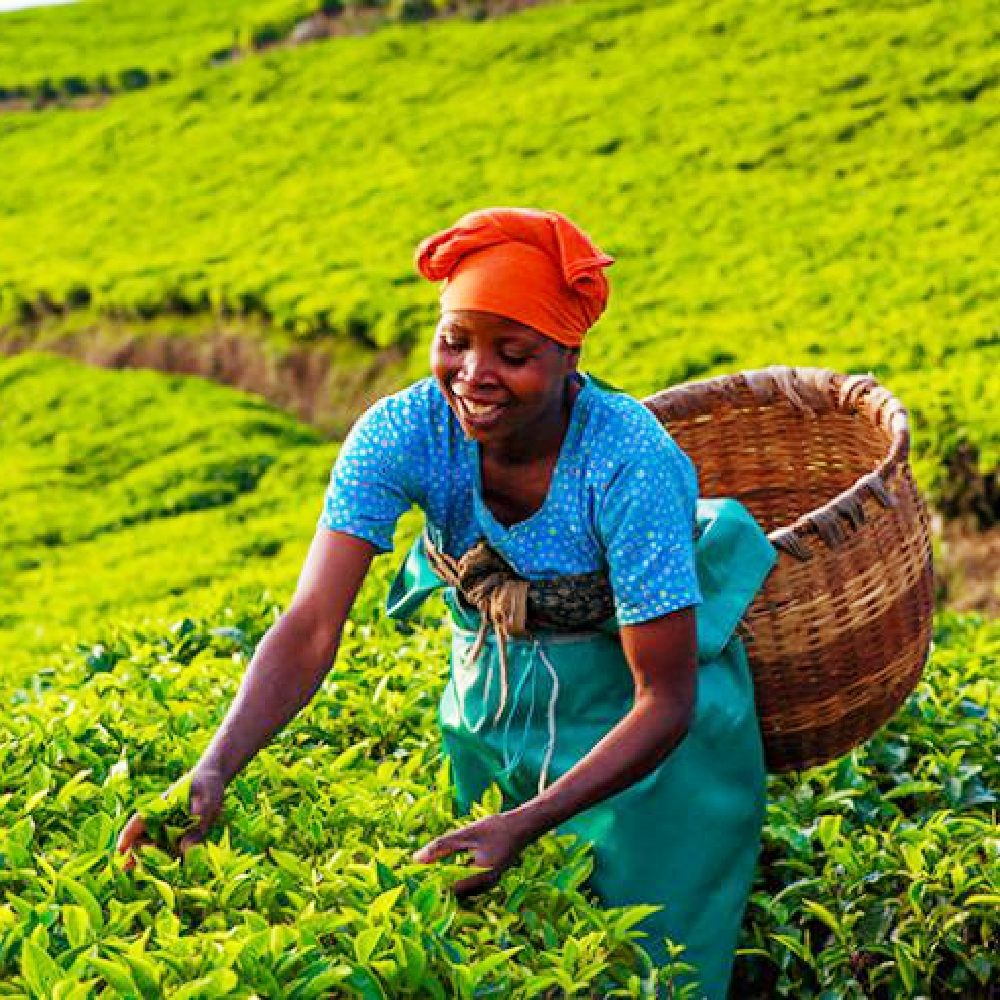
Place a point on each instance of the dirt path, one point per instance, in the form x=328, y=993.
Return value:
x=320, y=386
x=968, y=567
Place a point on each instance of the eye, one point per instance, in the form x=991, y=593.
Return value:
x=515, y=360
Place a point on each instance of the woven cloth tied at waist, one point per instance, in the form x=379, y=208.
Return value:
x=515, y=606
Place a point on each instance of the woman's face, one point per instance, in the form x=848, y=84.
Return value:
x=502, y=380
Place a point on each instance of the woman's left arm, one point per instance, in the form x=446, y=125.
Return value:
x=662, y=655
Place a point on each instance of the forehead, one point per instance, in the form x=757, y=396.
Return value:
x=484, y=324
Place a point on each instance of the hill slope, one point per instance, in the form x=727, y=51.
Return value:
x=127, y=497
x=135, y=496
x=798, y=183
x=102, y=46
x=792, y=183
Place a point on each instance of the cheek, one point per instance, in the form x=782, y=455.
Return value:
x=531, y=393
x=439, y=364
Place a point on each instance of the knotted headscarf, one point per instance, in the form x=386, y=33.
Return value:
x=535, y=267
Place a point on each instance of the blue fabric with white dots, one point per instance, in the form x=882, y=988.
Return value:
x=622, y=496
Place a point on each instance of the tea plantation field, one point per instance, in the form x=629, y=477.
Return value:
x=800, y=182
x=160, y=557
x=140, y=43
x=132, y=496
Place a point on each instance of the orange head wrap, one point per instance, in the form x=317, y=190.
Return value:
x=534, y=267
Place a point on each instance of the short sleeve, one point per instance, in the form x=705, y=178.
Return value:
x=646, y=524
x=373, y=480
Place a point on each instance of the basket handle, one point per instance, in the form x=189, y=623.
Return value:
x=816, y=390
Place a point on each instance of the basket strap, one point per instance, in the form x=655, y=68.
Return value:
x=517, y=606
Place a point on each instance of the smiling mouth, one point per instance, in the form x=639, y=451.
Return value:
x=478, y=411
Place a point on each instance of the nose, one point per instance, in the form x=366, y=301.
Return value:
x=477, y=367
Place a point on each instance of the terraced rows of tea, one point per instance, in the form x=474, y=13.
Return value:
x=42, y=58
x=801, y=183
x=128, y=497
x=798, y=183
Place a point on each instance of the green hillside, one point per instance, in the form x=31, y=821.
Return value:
x=797, y=183
x=794, y=183
x=96, y=46
x=133, y=497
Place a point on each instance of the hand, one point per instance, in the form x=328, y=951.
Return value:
x=205, y=803
x=494, y=842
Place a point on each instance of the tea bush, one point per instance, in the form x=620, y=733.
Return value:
x=880, y=875
x=127, y=496
x=309, y=891
x=793, y=183
x=41, y=58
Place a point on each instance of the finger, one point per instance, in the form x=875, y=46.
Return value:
x=441, y=848
x=132, y=837
x=131, y=832
x=207, y=804
x=189, y=840
x=201, y=809
x=204, y=811
x=475, y=884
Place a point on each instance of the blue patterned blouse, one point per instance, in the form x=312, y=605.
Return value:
x=622, y=496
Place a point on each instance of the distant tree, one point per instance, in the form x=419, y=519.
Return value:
x=134, y=78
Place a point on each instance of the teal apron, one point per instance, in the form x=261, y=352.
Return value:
x=686, y=837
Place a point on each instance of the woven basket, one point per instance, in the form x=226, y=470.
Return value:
x=840, y=632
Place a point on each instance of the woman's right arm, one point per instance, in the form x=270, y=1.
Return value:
x=286, y=670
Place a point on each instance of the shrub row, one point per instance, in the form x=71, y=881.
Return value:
x=293, y=188
x=880, y=875
x=309, y=890
x=108, y=476
x=42, y=58
x=159, y=40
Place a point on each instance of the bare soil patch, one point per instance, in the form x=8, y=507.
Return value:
x=968, y=566
x=321, y=385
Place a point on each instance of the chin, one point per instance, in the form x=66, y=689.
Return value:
x=480, y=434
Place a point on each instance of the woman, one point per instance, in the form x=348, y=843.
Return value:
x=617, y=713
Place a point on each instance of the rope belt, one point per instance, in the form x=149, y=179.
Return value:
x=516, y=607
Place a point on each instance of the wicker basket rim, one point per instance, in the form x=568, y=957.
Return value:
x=811, y=392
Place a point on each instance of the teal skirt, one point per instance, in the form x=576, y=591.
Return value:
x=684, y=838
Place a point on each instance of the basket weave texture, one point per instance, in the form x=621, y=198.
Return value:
x=840, y=632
